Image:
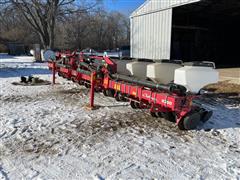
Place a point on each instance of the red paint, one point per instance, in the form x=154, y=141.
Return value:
x=155, y=101
x=53, y=72
x=93, y=79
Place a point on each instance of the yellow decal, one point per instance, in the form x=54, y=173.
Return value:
x=117, y=87
x=105, y=82
x=134, y=93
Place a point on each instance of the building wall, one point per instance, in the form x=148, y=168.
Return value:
x=151, y=26
x=151, y=35
x=151, y=6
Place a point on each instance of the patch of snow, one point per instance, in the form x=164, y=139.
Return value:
x=8, y=61
x=47, y=133
x=16, y=66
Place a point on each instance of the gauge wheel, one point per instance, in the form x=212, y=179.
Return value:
x=132, y=104
x=191, y=121
x=206, y=116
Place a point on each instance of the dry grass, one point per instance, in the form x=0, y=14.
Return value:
x=224, y=87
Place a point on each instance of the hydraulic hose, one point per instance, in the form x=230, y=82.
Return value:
x=84, y=71
x=86, y=65
x=174, y=88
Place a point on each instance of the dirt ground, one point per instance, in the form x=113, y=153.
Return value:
x=230, y=74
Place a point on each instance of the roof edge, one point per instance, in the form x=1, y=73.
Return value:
x=160, y=9
x=140, y=7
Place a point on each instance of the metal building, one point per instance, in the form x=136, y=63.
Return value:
x=151, y=26
x=184, y=29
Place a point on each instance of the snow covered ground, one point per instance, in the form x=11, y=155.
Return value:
x=47, y=133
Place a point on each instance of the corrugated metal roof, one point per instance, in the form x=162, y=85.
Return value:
x=151, y=6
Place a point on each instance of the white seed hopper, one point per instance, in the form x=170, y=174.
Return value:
x=138, y=69
x=162, y=72
x=195, y=76
x=121, y=66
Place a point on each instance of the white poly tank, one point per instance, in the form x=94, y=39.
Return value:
x=194, y=78
x=162, y=72
x=121, y=66
x=138, y=69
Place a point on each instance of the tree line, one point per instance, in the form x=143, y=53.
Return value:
x=62, y=24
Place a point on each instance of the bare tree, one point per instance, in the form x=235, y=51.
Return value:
x=42, y=14
x=75, y=27
x=77, y=30
x=13, y=28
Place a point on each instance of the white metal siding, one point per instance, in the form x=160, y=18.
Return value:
x=151, y=26
x=151, y=6
x=151, y=35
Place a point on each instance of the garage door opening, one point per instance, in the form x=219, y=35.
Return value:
x=207, y=31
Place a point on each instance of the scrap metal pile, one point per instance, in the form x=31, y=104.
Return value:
x=170, y=101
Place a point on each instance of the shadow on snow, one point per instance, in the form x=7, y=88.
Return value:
x=226, y=113
x=17, y=72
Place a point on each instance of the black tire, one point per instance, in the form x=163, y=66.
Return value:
x=206, y=116
x=87, y=85
x=110, y=92
x=132, y=104
x=159, y=114
x=117, y=97
x=80, y=83
x=59, y=74
x=104, y=92
x=97, y=90
x=191, y=121
x=170, y=116
x=64, y=76
x=74, y=80
x=23, y=79
x=121, y=97
x=153, y=114
x=180, y=125
x=137, y=105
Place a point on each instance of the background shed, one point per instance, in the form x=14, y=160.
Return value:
x=189, y=30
